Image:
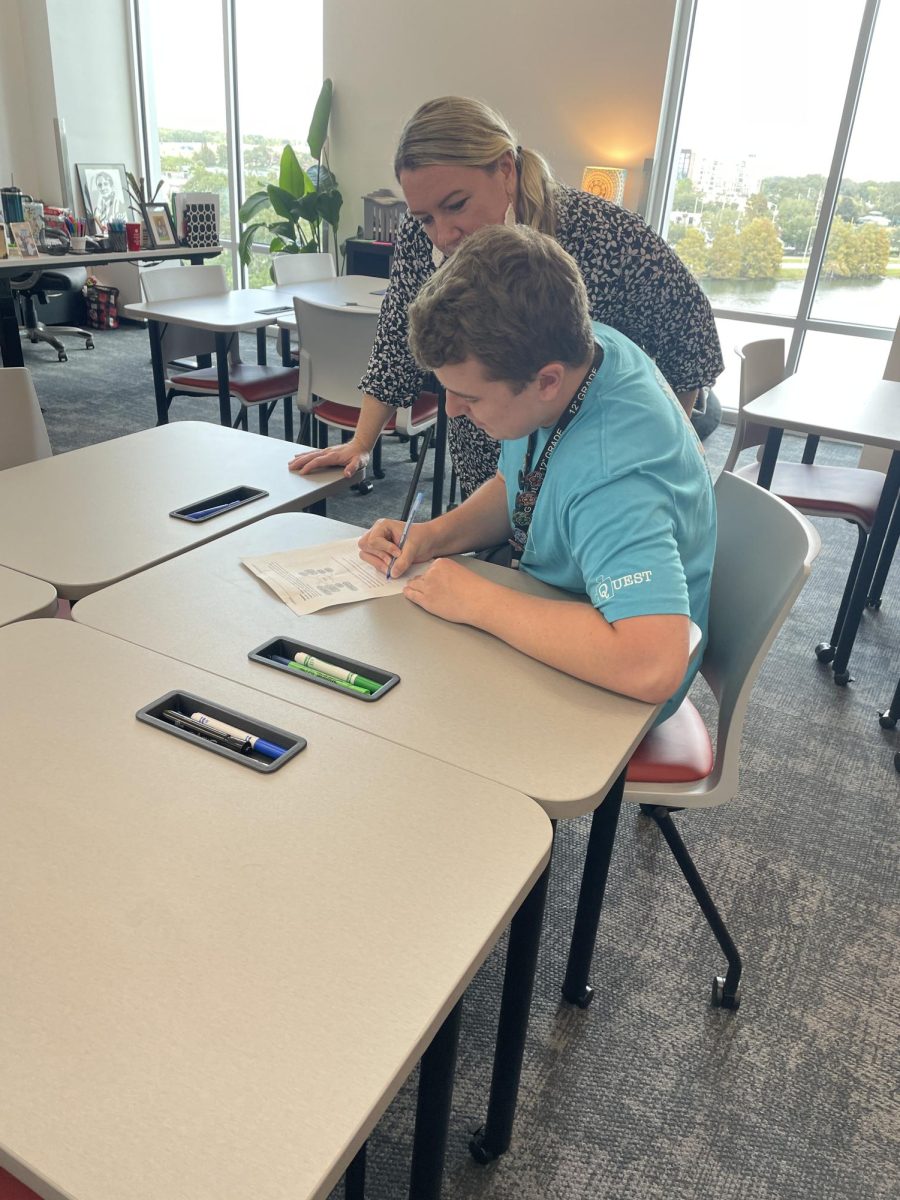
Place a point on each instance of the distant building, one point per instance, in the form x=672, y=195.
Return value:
x=875, y=218
x=727, y=181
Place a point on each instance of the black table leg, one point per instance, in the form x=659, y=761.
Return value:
x=10, y=342
x=891, y=538
x=433, y=1110
x=867, y=567
x=355, y=1176
x=261, y=345
x=440, y=455
x=770, y=457
x=159, y=372
x=494, y=1137
x=575, y=987
x=222, y=345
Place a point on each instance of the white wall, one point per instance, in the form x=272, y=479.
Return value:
x=581, y=81
x=59, y=59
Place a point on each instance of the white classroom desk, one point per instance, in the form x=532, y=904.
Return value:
x=84, y=519
x=23, y=596
x=214, y=981
x=344, y=291
x=464, y=697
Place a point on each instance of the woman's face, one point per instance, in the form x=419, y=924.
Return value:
x=452, y=201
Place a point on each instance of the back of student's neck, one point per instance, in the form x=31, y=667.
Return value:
x=573, y=377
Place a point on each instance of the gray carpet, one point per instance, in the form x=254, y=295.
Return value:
x=650, y=1092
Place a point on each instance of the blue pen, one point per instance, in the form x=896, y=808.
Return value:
x=420, y=496
x=209, y=512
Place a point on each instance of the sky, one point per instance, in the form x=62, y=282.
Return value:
x=768, y=77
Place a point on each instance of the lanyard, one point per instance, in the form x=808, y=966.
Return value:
x=531, y=478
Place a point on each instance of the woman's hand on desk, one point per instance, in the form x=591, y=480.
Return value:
x=349, y=456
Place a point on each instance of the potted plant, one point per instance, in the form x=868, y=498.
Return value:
x=303, y=202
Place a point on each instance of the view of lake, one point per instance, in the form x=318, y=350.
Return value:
x=860, y=301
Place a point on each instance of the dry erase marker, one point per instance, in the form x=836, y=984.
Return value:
x=295, y=666
x=405, y=534
x=338, y=673
x=257, y=743
x=209, y=512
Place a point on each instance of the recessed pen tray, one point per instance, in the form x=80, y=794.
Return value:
x=216, y=506
x=286, y=648
x=186, y=703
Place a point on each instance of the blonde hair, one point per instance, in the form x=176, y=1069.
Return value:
x=456, y=129
x=509, y=297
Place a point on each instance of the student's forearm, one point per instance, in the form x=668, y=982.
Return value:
x=644, y=657
x=479, y=522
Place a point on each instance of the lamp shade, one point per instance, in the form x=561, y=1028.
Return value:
x=606, y=182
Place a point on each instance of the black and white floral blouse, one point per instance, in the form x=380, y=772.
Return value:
x=635, y=283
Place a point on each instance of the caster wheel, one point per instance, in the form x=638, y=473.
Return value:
x=886, y=721
x=719, y=999
x=478, y=1150
x=825, y=652
x=876, y=604
x=363, y=488
x=62, y=356
x=89, y=344
x=580, y=999
x=842, y=678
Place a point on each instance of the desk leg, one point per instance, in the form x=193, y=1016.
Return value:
x=355, y=1176
x=494, y=1137
x=10, y=342
x=159, y=373
x=433, y=1110
x=866, y=571
x=892, y=537
x=770, y=457
x=222, y=341
x=440, y=454
x=575, y=987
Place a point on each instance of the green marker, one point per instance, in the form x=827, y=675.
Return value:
x=337, y=673
x=286, y=662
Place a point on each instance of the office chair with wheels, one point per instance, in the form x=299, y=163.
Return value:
x=38, y=287
x=764, y=553
x=335, y=347
x=23, y=434
x=254, y=385
x=847, y=493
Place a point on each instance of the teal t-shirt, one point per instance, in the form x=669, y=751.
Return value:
x=626, y=513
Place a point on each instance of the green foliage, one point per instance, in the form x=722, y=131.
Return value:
x=796, y=219
x=686, y=197
x=856, y=251
x=761, y=249
x=725, y=254
x=757, y=208
x=714, y=219
x=675, y=232
x=800, y=187
x=295, y=208
x=691, y=249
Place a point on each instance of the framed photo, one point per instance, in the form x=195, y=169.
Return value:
x=104, y=190
x=160, y=226
x=24, y=235
x=4, y=244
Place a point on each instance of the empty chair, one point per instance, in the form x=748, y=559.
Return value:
x=23, y=434
x=848, y=493
x=38, y=287
x=335, y=347
x=301, y=268
x=253, y=384
x=764, y=553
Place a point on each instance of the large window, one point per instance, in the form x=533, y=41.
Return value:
x=762, y=155
x=223, y=91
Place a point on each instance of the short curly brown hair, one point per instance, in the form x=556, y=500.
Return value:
x=509, y=297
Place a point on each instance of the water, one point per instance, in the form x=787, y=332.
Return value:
x=856, y=301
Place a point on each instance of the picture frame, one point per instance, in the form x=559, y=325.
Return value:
x=160, y=226
x=4, y=241
x=25, y=239
x=104, y=191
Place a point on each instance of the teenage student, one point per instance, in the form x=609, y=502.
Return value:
x=602, y=488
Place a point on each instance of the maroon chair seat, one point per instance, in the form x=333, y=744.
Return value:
x=424, y=408
x=849, y=492
x=11, y=1189
x=253, y=384
x=678, y=751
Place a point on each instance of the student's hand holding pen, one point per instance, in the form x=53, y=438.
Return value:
x=381, y=546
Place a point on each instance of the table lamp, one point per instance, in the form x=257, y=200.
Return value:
x=606, y=182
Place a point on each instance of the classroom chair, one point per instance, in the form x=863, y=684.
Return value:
x=846, y=493
x=764, y=553
x=23, y=433
x=252, y=384
x=38, y=287
x=302, y=268
x=335, y=345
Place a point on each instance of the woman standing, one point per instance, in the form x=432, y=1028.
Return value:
x=460, y=168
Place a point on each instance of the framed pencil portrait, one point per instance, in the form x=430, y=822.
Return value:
x=104, y=189
x=160, y=226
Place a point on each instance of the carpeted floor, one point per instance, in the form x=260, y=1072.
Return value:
x=651, y=1093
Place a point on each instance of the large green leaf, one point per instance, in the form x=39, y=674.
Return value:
x=308, y=207
x=252, y=205
x=278, y=244
x=283, y=202
x=330, y=206
x=285, y=229
x=291, y=176
x=318, y=127
x=246, y=242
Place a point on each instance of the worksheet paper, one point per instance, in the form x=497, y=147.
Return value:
x=315, y=577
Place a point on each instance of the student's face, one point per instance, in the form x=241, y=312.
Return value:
x=452, y=201
x=494, y=406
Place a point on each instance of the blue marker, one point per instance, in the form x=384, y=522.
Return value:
x=210, y=512
x=256, y=743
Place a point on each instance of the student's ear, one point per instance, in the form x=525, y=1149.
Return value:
x=550, y=378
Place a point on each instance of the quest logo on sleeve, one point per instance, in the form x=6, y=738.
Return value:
x=605, y=588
